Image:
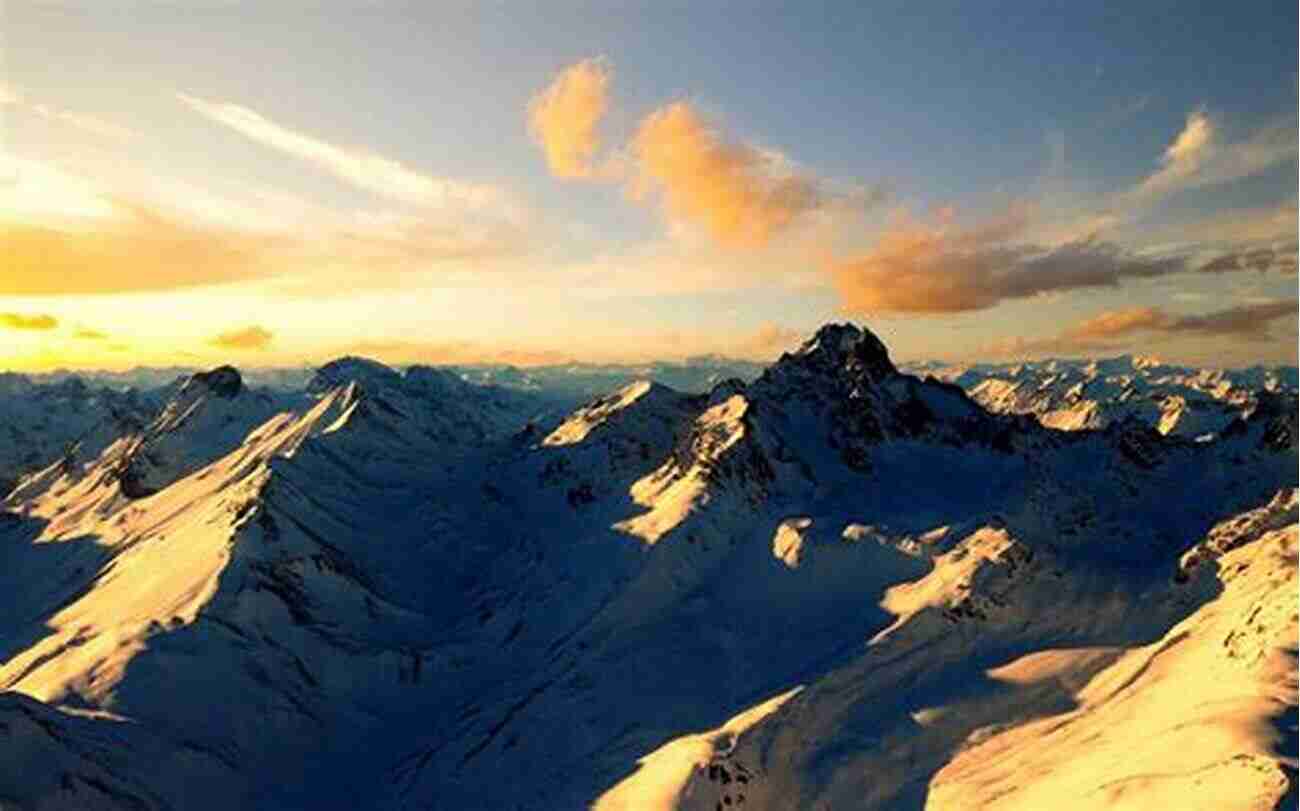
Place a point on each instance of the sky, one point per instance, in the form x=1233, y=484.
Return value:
x=278, y=183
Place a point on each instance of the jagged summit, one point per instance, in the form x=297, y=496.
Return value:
x=844, y=347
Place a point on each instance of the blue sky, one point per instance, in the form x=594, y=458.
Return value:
x=913, y=126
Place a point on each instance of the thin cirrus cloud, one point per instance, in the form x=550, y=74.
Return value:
x=1183, y=158
x=1199, y=157
x=740, y=195
x=358, y=167
x=920, y=268
x=248, y=338
x=147, y=249
x=68, y=235
x=86, y=123
x=34, y=323
x=565, y=117
x=12, y=96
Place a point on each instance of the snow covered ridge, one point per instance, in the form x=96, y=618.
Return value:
x=44, y=422
x=837, y=585
x=1071, y=395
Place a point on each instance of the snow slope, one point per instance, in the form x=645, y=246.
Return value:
x=1073, y=395
x=836, y=586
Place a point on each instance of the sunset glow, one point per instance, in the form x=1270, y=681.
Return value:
x=504, y=185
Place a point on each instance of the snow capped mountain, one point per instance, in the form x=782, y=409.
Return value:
x=206, y=416
x=41, y=423
x=838, y=585
x=1072, y=395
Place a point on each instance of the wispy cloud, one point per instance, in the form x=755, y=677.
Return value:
x=248, y=338
x=12, y=96
x=88, y=334
x=139, y=249
x=87, y=123
x=564, y=118
x=65, y=236
x=19, y=321
x=1199, y=157
x=359, y=167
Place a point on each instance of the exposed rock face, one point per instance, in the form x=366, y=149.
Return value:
x=223, y=381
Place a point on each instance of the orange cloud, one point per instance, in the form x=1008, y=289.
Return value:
x=564, y=118
x=28, y=322
x=253, y=337
x=741, y=195
x=1114, y=323
x=919, y=268
x=142, y=250
x=1105, y=331
x=136, y=247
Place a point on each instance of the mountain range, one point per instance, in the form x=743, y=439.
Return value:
x=826, y=583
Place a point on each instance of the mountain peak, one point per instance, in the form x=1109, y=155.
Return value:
x=223, y=381
x=841, y=346
x=341, y=371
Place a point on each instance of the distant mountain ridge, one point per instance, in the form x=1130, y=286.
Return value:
x=1070, y=395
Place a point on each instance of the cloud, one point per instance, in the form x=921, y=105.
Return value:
x=1261, y=258
x=1117, y=323
x=739, y=194
x=140, y=249
x=1245, y=321
x=149, y=250
x=87, y=123
x=920, y=268
x=253, y=337
x=1106, y=331
x=28, y=322
x=12, y=96
x=564, y=118
x=1238, y=227
x=87, y=334
x=64, y=236
x=363, y=169
x=1198, y=157
x=1184, y=157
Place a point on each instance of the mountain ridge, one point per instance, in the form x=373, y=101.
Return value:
x=402, y=585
